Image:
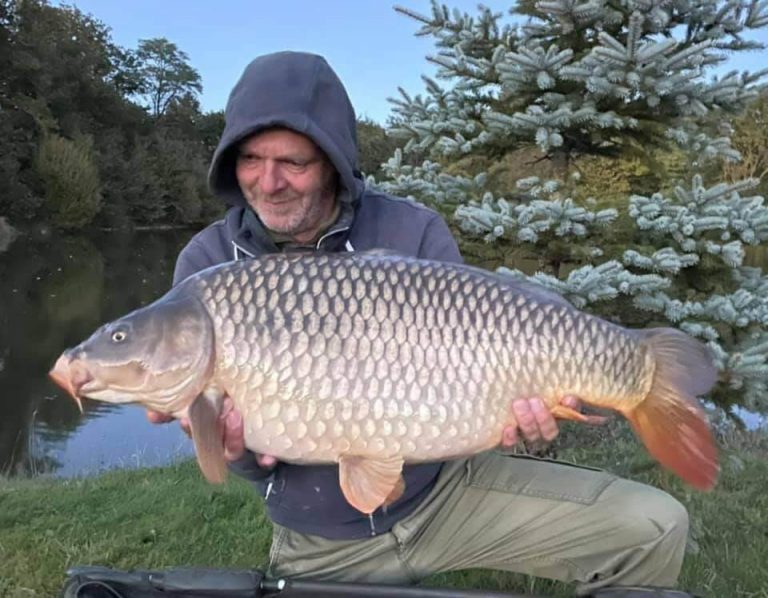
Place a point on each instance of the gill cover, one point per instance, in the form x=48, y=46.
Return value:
x=160, y=356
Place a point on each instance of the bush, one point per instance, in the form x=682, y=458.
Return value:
x=70, y=179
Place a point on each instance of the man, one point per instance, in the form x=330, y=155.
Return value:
x=286, y=164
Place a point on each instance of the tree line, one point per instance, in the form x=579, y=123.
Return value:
x=94, y=134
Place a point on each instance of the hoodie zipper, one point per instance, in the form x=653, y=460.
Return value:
x=237, y=249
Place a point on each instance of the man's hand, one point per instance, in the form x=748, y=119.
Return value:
x=534, y=421
x=233, y=433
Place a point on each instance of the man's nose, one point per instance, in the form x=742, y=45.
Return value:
x=271, y=179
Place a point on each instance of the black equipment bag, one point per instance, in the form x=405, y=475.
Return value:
x=195, y=582
x=192, y=582
x=180, y=582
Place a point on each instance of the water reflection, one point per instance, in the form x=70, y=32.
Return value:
x=53, y=293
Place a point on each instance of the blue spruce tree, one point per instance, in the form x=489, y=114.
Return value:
x=576, y=78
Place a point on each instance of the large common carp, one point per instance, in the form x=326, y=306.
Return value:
x=372, y=360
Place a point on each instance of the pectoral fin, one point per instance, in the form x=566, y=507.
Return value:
x=208, y=435
x=564, y=412
x=368, y=484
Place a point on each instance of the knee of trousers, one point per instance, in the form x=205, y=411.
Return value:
x=658, y=510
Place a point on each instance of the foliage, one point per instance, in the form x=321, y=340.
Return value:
x=611, y=180
x=634, y=226
x=17, y=198
x=750, y=139
x=166, y=74
x=210, y=126
x=63, y=78
x=374, y=146
x=579, y=77
x=70, y=180
x=60, y=64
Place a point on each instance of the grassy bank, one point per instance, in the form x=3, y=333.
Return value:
x=170, y=516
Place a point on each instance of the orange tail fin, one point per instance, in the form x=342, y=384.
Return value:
x=670, y=421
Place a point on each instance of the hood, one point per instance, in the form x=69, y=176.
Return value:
x=298, y=91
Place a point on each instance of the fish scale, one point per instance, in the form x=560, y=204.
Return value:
x=372, y=360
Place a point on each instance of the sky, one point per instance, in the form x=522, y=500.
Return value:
x=372, y=48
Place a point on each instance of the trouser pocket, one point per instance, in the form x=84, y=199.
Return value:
x=536, y=477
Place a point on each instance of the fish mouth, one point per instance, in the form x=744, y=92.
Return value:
x=73, y=376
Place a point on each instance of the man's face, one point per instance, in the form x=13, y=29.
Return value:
x=288, y=181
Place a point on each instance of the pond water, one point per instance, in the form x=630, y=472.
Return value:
x=54, y=291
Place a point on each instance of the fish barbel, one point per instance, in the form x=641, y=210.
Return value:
x=371, y=360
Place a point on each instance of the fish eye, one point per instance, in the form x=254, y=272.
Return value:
x=119, y=336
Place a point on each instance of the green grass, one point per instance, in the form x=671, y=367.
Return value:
x=155, y=518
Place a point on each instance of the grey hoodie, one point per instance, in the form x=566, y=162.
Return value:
x=301, y=92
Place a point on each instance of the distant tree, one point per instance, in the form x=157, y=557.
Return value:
x=62, y=58
x=71, y=179
x=182, y=116
x=750, y=138
x=210, y=126
x=7, y=18
x=127, y=76
x=131, y=188
x=181, y=170
x=374, y=146
x=17, y=199
x=166, y=74
x=57, y=70
x=62, y=81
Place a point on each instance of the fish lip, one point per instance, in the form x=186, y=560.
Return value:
x=72, y=376
x=60, y=375
x=89, y=388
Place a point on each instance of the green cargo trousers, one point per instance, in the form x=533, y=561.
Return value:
x=539, y=517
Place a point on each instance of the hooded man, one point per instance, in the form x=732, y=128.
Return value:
x=286, y=164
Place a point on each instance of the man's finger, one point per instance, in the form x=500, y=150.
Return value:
x=184, y=423
x=227, y=406
x=572, y=402
x=234, y=436
x=266, y=461
x=509, y=437
x=156, y=417
x=545, y=420
x=526, y=420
